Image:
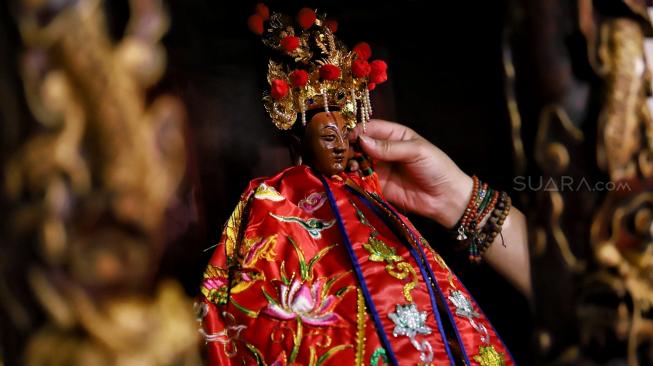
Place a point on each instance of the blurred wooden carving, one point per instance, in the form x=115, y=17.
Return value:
x=621, y=235
x=90, y=189
x=593, y=247
x=625, y=133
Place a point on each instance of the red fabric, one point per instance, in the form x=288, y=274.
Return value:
x=321, y=317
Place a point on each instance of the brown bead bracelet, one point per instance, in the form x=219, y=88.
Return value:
x=477, y=240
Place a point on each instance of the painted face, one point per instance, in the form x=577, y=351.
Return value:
x=326, y=144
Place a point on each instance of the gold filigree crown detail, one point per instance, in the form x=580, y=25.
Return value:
x=314, y=69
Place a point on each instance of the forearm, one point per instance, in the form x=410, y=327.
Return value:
x=509, y=255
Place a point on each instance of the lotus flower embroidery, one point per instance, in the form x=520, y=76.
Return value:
x=304, y=301
x=409, y=321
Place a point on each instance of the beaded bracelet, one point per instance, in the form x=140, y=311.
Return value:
x=489, y=195
x=475, y=243
x=494, y=224
x=478, y=206
x=470, y=211
x=482, y=201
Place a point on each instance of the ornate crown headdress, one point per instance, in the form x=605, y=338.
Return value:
x=315, y=69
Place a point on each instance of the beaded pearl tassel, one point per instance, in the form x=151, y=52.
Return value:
x=326, y=100
x=303, y=113
x=368, y=103
x=364, y=114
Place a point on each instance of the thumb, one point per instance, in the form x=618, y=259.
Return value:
x=386, y=150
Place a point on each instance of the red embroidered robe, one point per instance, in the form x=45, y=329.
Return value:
x=321, y=271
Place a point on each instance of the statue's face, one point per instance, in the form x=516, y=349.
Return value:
x=326, y=144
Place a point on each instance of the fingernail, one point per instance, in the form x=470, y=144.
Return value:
x=367, y=140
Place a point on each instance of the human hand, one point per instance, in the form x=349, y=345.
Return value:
x=414, y=174
x=419, y=177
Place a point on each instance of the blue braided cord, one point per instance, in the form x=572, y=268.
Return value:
x=440, y=293
x=359, y=274
x=414, y=254
x=489, y=323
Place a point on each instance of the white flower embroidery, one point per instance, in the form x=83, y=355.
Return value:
x=410, y=322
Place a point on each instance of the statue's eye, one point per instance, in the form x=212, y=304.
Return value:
x=329, y=138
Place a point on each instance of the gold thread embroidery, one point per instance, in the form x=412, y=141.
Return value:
x=233, y=227
x=258, y=248
x=265, y=192
x=381, y=252
x=438, y=259
x=397, y=268
x=256, y=354
x=318, y=361
x=306, y=269
x=405, y=269
x=278, y=336
x=324, y=341
x=360, y=331
x=488, y=356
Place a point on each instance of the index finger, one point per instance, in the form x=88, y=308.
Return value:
x=383, y=130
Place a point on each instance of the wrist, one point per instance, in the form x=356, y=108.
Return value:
x=449, y=207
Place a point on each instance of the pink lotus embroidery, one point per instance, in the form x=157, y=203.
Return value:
x=304, y=301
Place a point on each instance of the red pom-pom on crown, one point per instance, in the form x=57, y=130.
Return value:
x=299, y=78
x=263, y=11
x=378, y=72
x=360, y=68
x=363, y=50
x=332, y=25
x=306, y=18
x=289, y=43
x=329, y=72
x=279, y=89
x=255, y=23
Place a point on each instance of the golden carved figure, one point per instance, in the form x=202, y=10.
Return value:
x=91, y=187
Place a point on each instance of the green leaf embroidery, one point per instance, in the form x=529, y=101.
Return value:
x=246, y=311
x=325, y=356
